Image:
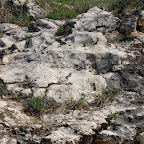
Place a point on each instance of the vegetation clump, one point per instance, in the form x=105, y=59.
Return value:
x=113, y=116
x=3, y=89
x=72, y=104
x=2, y=116
x=128, y=36
x=107, y=95
x=110, y=40
x=63, y=31
x=36, y=104
x=14, y=15
x=62, y=13
x=39, y=105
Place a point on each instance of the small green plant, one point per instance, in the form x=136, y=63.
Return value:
x=107, y=95
x=113, y=116
x=26, y=37
x=110, y=40
x=128, y=36
x=26, y=2
x=3, y=89
x=63, y=31
x=72, y=104
x=139, y=139
x=36, y=104
x=2, y=116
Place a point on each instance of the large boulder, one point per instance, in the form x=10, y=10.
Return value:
x=133, y=21
x=96, y=20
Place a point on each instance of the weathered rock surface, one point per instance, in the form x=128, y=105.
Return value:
x=96, y=20
x=63, y=71
x=34, y=62
x=133, y=22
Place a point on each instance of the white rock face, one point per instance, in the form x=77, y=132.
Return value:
x=34, y=62
x=62, y=135
x=56, y=70
x=96, y=20
x=6, y=26
x=86, y=38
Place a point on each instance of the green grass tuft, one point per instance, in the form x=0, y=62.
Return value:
x=128, y=36
x=2, y=116
x=63, y=31
x=36, y=104
x=107, y=95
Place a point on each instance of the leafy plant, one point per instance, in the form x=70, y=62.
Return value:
x=113, y=116
x=36, y=104
x=3, y=90
x=139, y=138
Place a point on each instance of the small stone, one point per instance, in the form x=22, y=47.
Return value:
x=13, y=141
x=33, y=27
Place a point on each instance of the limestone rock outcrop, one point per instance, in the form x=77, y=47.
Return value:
x=56, y=70
x=34, y=62
x=133, y=22
x=96, y=20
